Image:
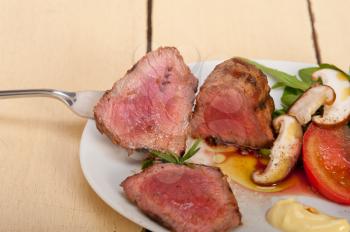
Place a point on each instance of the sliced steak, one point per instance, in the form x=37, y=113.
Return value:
x=184, y=198
x=150, y=107
x=234, y=106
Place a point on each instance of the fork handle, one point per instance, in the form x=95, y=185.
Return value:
x=66, y=97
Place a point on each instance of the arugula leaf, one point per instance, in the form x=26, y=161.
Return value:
x=278, y=112
x=294, y=87
x=278, y=85
x=289, y=96
x=285, y=78
x=191, y=152
x=306, y=74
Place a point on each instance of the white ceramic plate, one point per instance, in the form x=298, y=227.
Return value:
x=106, y=165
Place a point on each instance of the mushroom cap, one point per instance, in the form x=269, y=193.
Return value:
x=338, y=112
x=311, y=100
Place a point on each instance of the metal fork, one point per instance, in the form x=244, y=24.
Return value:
x=81, y=103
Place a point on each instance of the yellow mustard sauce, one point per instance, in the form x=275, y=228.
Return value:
x=291, y=216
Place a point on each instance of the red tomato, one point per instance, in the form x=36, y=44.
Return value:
x=326, y=157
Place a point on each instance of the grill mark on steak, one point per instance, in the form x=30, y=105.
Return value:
x=150, y=107
x=184, y=198
x=262, y=105
x=234, y=106
x=251, y=80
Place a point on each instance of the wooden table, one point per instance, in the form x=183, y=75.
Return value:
x=88, y=44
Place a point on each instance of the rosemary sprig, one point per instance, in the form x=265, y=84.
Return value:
x=147, y=163
x=191, y=152
x=169, y=157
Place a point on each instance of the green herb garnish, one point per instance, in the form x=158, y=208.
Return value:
x=191, y=152
x=278, y=85
x=306, y=73
x=169, y=157
x=147, y=163
x=278, y=112
x=289, y=96
x=293, y=87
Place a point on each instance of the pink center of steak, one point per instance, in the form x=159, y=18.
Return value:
x=146, y=111
x=194, y=204
x=150, y=107
x=227, y=116
x=234, y=106
x=184, y=198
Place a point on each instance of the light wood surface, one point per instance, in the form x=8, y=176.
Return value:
x=332, y=23
x=88, y=44
x=274, y=29
x=70, y=45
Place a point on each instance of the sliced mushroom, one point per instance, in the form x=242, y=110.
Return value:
x=284, y=153
x=308, y=103
x=339, y=111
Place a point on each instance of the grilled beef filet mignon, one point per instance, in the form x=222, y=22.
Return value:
x=234, y=106
x=184, y=198
x=150, y=107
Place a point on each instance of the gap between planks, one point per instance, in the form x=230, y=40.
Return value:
x=149, y=25
x=314, y=33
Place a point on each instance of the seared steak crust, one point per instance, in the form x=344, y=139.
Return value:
x=150, y=107
x=234, y=106
x=184, y=198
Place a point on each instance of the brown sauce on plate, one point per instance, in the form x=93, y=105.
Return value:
x=240, y=165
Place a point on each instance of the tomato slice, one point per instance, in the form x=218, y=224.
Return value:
x=326, y=158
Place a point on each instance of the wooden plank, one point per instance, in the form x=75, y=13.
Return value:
x=332, y=25
x=271, y=29
x=73, y=45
